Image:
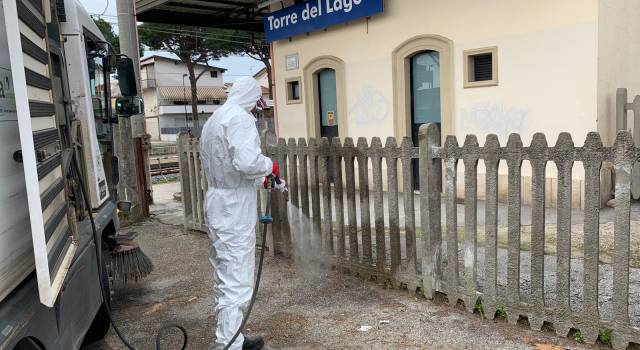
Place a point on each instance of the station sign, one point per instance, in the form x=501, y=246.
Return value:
x=313, y=15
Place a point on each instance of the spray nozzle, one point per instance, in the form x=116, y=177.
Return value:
x=272, y=181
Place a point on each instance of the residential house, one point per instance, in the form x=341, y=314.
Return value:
x=263, y=79
x=167, y=95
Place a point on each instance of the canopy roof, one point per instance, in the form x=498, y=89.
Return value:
x=226, y=14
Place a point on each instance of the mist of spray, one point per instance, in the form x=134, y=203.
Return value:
x=306, y=241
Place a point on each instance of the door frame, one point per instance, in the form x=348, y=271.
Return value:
x=401, y=60
x=311, y=93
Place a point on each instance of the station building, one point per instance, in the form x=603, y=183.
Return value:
x=474, y=67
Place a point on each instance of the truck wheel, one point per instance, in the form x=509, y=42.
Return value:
x=28, y=344
x=100, y=325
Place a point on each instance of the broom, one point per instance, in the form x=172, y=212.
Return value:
x=128, y=262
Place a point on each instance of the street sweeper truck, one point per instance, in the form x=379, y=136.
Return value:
x=58, y=173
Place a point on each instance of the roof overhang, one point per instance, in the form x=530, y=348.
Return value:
x=226, y=14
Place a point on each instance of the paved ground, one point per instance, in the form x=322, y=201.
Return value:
x=297, y=308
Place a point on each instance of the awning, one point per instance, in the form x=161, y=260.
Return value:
x=178, y=93
x=226, y=14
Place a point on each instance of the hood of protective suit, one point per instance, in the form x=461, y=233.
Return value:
x=245, y=92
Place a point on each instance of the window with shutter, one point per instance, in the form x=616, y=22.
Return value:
x=480, y=67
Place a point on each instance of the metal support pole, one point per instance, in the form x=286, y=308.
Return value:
x=135, y=126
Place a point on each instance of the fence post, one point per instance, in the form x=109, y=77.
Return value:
x=292, y=155
x=325, y=180
x=378, y=203
x=316, y=240
x=303, y=176
x=563, y=156
x=470, y=155
x=336, y=159
x=624, y=157
x=277, y=228
x=185, y=180
x=406, y=148
x=538, y=156
x=430, y=189
x=451, y=211
x=593, y=156
x=197, y=170
x=492, y=154
x=513, y=155
x=363, y=180
x=391, y=152
x=349, y=151
x=266, y=142
x=285, y=228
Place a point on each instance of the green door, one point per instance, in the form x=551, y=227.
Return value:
x=328, y=103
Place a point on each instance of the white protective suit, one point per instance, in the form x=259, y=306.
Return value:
x=234, y=165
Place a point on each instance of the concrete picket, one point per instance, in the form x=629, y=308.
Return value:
x=362, y=157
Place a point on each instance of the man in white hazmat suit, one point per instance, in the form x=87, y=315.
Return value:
x=234, y=165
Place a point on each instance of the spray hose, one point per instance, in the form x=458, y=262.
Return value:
x=264, y=219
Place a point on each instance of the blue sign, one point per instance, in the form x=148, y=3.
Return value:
x=312, y=15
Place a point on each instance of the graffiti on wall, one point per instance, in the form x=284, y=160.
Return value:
x=494, y=118
x=370, y=106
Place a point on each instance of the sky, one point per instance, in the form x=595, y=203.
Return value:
x=237, y=66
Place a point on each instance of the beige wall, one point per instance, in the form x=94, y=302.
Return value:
x=547, y=70
x=547, y=62
x=619, y=59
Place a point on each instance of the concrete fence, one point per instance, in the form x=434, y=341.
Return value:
x=476, y=252
x=193, y=183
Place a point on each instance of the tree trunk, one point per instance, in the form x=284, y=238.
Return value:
x=269, y=77
x=194, y=96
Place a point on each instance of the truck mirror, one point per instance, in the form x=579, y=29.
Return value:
x=126, y=77
x=128, y=106
x=124, y=206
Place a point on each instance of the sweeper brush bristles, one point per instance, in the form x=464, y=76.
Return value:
x=129, y=263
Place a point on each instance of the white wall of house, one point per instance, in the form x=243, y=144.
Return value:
x=262, y=77
x=169, y=73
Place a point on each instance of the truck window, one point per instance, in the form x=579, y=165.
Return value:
x=97, y=86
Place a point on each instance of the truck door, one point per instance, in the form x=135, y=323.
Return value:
x=32, y=77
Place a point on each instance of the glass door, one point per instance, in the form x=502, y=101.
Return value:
x=425, y=97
